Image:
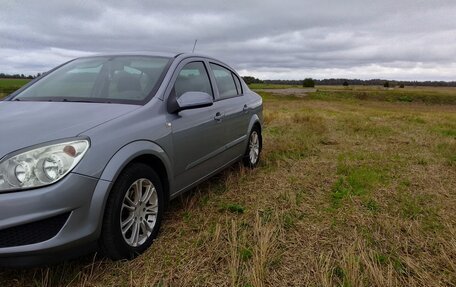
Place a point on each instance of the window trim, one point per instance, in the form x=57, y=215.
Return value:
x=235, y=77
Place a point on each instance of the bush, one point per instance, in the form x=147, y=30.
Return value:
x=308, y=83
x=345, y=84
x=386, y=84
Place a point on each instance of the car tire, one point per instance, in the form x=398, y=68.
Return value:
x=252, y=154
x=133, y=213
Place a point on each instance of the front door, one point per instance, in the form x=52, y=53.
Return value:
x=197, y=133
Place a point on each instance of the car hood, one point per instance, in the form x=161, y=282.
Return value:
x=23, y=124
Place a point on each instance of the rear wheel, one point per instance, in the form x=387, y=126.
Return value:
x=133, y=213
x=252, y=154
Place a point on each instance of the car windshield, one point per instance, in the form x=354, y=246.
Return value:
x=110, y=79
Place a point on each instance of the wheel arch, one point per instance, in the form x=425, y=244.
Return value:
x=254, y=121
x=146, y=152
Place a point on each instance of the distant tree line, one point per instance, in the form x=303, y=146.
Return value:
x=308, y=82
x=18, y=76
x=382, y=82
x=347, y=82
x=251, y=80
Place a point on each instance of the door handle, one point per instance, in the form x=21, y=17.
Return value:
x=218, y=117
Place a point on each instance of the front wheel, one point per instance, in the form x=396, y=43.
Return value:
x=133, y=213
x=252, y=154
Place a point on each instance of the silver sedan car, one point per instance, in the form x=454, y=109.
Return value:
x=92, y=151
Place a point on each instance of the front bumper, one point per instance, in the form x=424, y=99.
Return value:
x=42, y=224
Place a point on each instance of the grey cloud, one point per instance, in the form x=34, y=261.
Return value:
x=412, y=39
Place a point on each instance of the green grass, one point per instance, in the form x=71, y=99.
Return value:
x=7, y=86
x=233, y=208
x=357, y=181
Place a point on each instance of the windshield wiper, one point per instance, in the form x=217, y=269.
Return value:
x=76, y=101
x=80, y=101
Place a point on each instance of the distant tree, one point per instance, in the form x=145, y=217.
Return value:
x=345, y=84
x=308, y=83
x=251, y=80
x=386, y=84
x=401, y=86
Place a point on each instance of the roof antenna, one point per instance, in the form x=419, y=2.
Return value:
x=194, y=46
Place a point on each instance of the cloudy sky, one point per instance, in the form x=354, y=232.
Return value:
x=392, y=39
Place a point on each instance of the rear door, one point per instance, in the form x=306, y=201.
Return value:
x=233, y=103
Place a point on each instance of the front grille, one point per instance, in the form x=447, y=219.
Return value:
x=32, y=232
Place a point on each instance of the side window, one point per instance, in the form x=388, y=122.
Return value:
x=225, y=82
x=193, y=78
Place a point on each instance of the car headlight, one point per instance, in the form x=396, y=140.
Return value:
x=42, y=165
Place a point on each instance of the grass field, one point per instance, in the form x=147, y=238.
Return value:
x=8, y=86
x=272, y=86
x=428, y=95
x=351, y=191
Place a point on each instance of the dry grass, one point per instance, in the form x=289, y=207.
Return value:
x=351, y=193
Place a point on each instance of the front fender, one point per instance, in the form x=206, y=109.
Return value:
x=131, y=151
x=112, y=170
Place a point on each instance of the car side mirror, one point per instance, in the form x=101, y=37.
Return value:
x=194, y=100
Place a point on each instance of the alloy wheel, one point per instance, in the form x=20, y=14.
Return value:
x=138, y=213
x=254, y=147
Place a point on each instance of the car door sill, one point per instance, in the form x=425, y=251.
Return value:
x=211, y=174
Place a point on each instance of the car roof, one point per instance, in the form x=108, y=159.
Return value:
x=134, y=53
x=149, y=53
x=170, y=55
